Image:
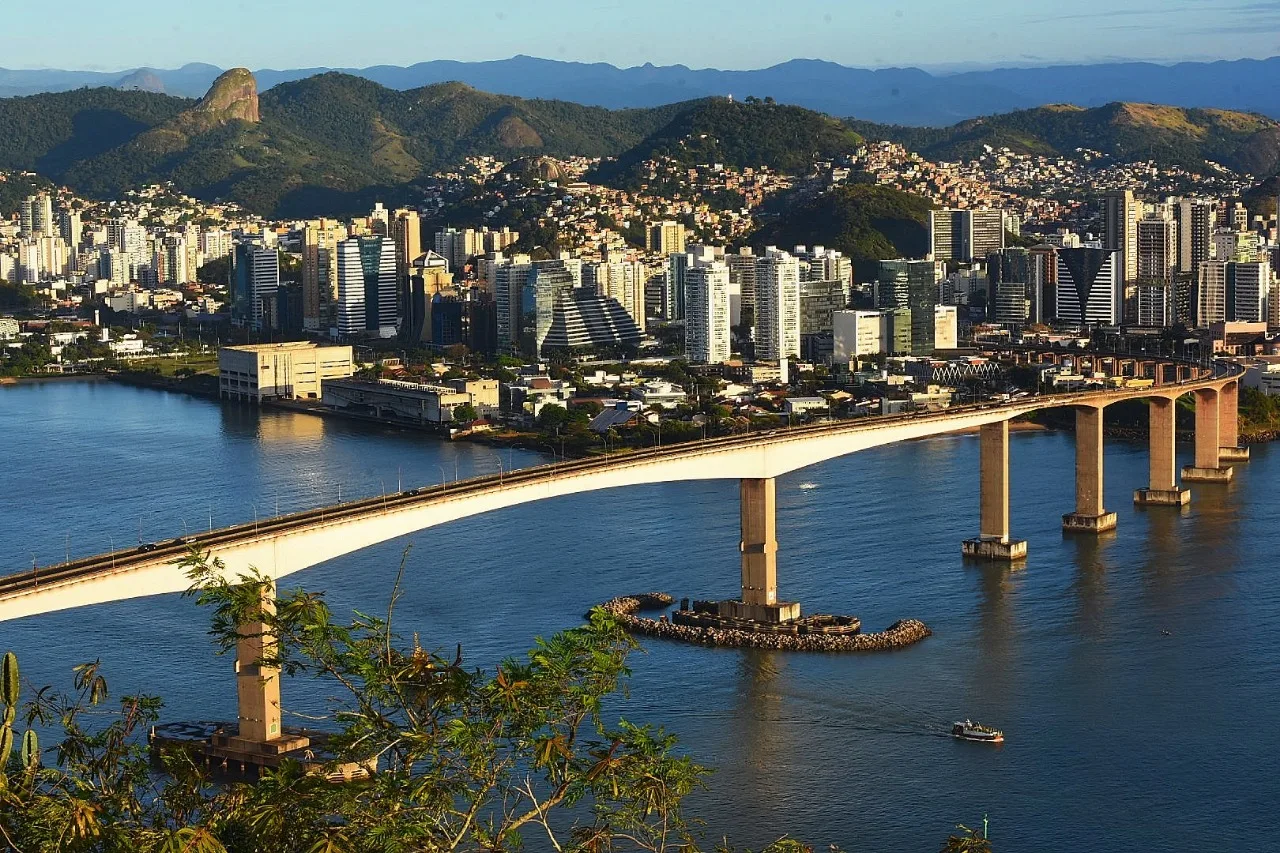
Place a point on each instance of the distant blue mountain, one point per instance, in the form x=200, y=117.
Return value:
x=906, y=96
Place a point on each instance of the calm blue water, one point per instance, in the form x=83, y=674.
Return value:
x=1117, y=733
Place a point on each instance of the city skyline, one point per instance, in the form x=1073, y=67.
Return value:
x=929, y=34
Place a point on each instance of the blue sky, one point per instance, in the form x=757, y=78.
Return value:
x=700, y=33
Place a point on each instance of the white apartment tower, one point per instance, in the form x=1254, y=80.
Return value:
x=777, y=306
x=707, y=320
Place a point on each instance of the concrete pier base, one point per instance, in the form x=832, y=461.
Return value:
x=1162, y=497
x=1194, y=474
x=996, y=550
x=1074, y=522
x=777, y=613
x=1230, y=455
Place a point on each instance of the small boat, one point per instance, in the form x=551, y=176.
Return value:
x=969, y=730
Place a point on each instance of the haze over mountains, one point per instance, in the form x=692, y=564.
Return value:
x=906, y=96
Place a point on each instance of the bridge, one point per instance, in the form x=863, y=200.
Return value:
x=281, y=546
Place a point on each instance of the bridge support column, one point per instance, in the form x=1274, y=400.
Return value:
x=1089, y=516
x=1208, y=467
x=1230, y=452
x=759, y=558
x=1164, y=489
x=258, y=693
x=993, y=542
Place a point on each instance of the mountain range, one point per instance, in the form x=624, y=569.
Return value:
x=904, y=96
x=334, y=143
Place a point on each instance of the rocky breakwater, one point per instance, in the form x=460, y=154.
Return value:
x=627, y=609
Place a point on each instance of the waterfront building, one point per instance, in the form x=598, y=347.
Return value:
x=707, y=310
x=288, y=371
x=1089, y=288
x=777, y=306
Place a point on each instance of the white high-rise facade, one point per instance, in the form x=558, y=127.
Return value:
x=1250, y=287
x=777, y=306
x=707, y=312
x=1157, y=248
x=367, y=290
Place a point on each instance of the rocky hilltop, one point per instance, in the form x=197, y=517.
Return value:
x=232, y=97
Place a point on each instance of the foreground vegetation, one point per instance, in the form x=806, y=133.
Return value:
x=467, y=760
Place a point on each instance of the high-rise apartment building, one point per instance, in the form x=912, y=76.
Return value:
x=1121, y=214
x=777, y=306
x=707, y=320
x=255, y=278
x=320, y=240
x=665, y=238
x=1009, y=284
x=1211, y=292
x=1248, y=290
x=1197, y=220
x=510, y=278
x=1089, y=287
x=367, y=292
x=966, y=235
x=620, y=280
x=36, y=216
x=70, y=228
x=742, y=276
x=1155, y=304
x=1157, y=248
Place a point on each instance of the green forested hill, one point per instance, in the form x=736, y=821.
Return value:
x=1246, y=142
x=738, y=134
x=868, y=223
x=321, y=145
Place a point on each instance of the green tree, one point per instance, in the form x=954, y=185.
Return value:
x=465, y=414
x=466, y=760
x=552, y=416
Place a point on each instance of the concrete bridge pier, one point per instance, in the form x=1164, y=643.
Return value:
x=759, y=548
x=1230, y=452
x=258, y=696
x=1164, y=489
x=1089, y=517
x=994, y=542
x=1208, y=467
